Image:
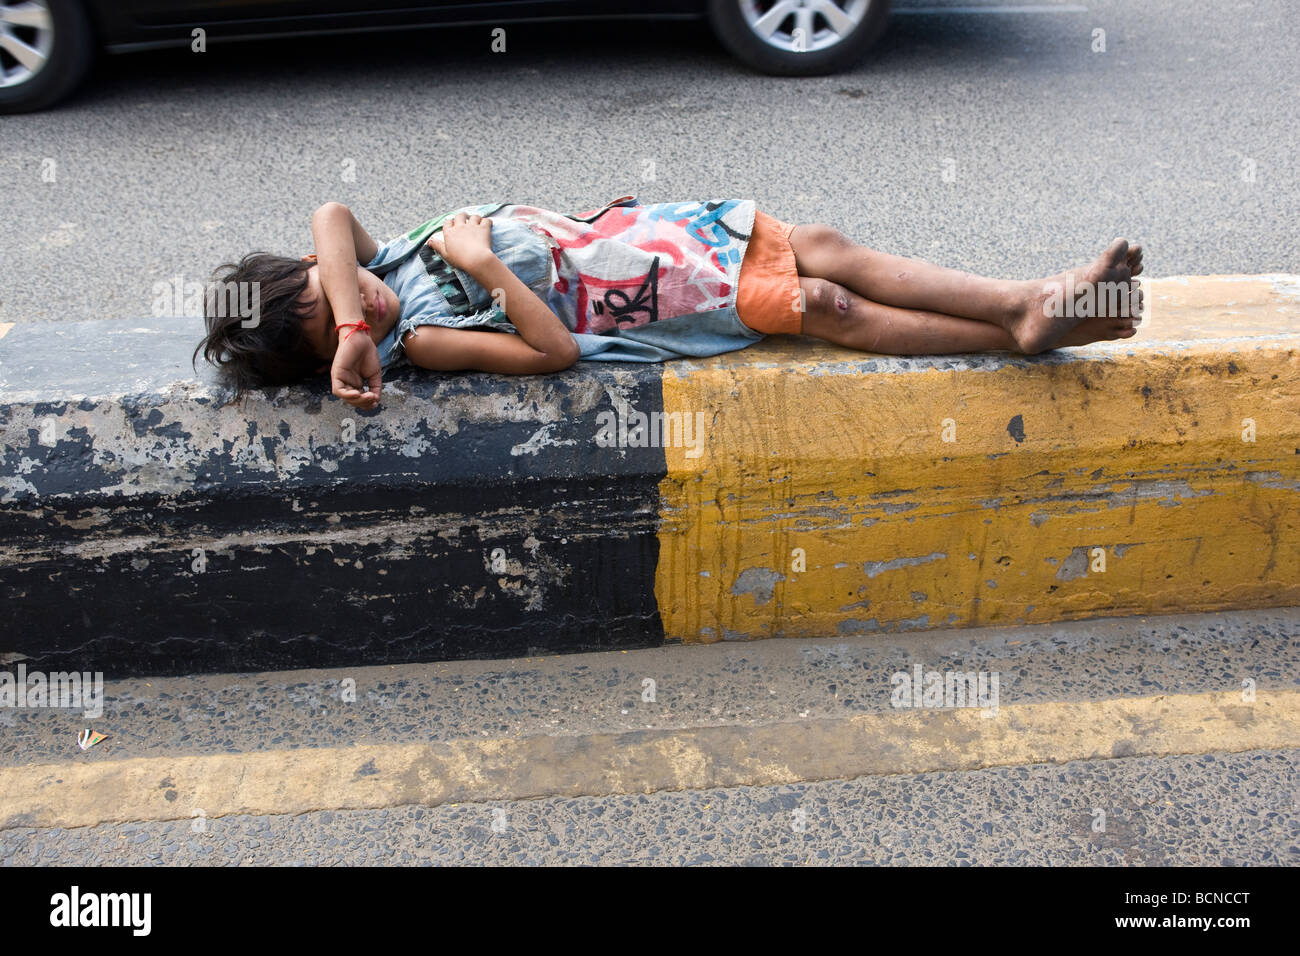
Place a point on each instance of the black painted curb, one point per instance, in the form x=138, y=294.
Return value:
x=154, y=530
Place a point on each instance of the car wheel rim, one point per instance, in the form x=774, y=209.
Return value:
x=26, y=38
x=803, y=26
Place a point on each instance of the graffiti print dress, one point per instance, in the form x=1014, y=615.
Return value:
x=632, y=282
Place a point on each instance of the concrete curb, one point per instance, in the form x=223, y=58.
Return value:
x=148, y=530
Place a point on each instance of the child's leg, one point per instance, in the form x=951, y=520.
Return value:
x=839, y=315
x=1018, y=307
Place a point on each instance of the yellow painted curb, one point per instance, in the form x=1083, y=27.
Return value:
x=384, y=775
x=855, y=494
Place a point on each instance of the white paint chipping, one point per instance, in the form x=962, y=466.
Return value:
x=539, y=440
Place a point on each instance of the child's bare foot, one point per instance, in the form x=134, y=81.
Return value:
x=1135, y=260
x=1097, y=329
x=1098, y=294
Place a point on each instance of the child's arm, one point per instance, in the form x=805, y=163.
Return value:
x=543, y=344
x=334, y=223
x=341, y=245
x=464, y=350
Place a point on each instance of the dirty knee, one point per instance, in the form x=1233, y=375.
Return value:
x=822, y=236
x=818, y=247
x=828, y=299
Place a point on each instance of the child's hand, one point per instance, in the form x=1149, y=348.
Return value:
x=465, y=241
x=355, y=375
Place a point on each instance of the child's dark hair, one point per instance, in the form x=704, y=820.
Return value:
x=273, y=349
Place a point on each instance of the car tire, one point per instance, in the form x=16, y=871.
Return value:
x=62, y=37
x=828, y=46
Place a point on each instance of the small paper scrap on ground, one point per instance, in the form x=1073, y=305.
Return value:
x=88, y=738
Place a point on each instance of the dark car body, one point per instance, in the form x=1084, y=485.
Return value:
x=46, y=46
x=128, y=25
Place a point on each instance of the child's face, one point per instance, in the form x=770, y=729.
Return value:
x=380, y=308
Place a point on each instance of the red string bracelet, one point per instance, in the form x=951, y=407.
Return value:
x=355, y=326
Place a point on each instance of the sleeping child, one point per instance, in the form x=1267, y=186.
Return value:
x=521, y=290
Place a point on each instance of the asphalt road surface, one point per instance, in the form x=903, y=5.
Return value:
x=1146, y=796
x=997, y=140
